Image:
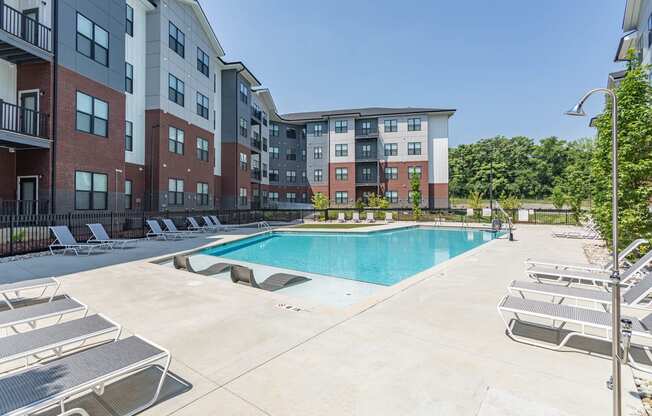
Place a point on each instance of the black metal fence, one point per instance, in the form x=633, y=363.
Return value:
x=20, y=234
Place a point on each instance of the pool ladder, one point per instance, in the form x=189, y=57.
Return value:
x=264, y=225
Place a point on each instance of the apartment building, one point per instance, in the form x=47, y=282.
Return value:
x=637, y=36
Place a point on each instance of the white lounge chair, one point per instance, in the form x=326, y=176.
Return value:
x=370, y=217
x=217, y=222
x=589, y=232
x=194, y=225
x=340, y=217
x=156, y=231
x=355, y=217
x=30, y=315
x=587, y=266
x=63, y=239
x=389, y=217
x=171, y=228
x=37, y=388
x=101, y=236
x=631, y=297
x=11, y=292
x=70, y=334
x=588, y=323
x=569, y=276
x=210, y=224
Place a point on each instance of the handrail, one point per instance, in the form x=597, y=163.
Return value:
x=23, y=120
x=31, y=31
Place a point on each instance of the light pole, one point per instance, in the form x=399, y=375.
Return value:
x=615, y=275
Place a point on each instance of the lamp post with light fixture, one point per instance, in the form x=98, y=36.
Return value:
x=615, y=275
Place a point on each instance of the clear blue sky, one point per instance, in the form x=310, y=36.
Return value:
x=509, y=67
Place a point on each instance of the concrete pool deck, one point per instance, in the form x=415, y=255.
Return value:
x=434, y=345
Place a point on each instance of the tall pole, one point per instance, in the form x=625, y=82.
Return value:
x=491, y=183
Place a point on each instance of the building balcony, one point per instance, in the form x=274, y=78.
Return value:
x=22, y=127
x=255, y=143
x=362, y=156
x=256, y=114
x=22, y=38
x=255, y=175
x=366, y=133
x=366, y=180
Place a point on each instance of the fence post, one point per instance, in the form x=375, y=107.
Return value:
x=11, y=235
x=112, y=232
x=566, y=217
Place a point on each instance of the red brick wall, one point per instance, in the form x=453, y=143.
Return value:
x=168, y=165
x=337, y=185
x=438, y=195
x=35, y=162
x=402, y=184
x=7, y=174
x=37, y=76
x=136, y=174
x=82, y=151
x=217, y=186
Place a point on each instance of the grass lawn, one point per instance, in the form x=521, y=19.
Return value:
x=333, y=226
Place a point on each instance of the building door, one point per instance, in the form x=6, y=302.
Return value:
x=30, y=26
x=28, y=113
x=27, y=195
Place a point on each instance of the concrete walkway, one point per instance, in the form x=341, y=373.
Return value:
x=431, y=346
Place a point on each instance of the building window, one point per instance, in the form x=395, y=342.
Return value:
x=129, y=195
x=244, y=93
x=177, y=40
x=264, y=116
x=291, y=153
x=129, y=136
x=365, y=127
x=414, y=171
x=304, y=178
x=273, y=196
x=273, y=130
x=341, y=150
x=291, y=197
x=303, y=154
x=243, y=161
x=243, y=127
x=391, y=149
x=92, y=40
x=291, y=133
x=366, y=175
x=341, y=126
x=414, y=124
x=273, y=175
x=264, y=144
x=203, y=62
x=365, y=151
x=341, y=197
x=91, y=190
x=414, y=148
x=391, y=126
x=176, y=90
x=202, y=105
x=341, y=174
x=291, y=176
x=129, y=78
x=129, y=26
x=264, y=170
x=243, y=196
x=391, y=173
x=318, y=152
x=318, y=130
x=175, y=191
x=202, y=149
x=392, y=196
x=92, y=115
x=273, y=152
x=176, y=140
x=318, y=175
x=202, y=193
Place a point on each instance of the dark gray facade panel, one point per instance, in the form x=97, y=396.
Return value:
x=229, y=100
x=282, y=163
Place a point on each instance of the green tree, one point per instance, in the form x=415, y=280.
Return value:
x=415, y=189
x=558, y=196
x=474, y=200
x=634, y=158
x=319, y=201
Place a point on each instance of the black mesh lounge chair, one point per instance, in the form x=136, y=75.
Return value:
x=244, y=275
x=182, y=262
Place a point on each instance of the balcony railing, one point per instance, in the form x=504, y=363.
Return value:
x=31, y=31
x=255, y=174
x=23, y=120
x=366, y=132
x=256, y=113
x=255, y=143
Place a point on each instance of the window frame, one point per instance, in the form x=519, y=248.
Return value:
x=274, y=152
x=341, y=197
x=93, y=42
x=203, y=154
x=202, y=110
x=203, y=62
x=414, y=148
x=129, y=202
x=341, y=150
x=129, y=78
x=176, y=195
x=91, y=192
x=174, y=94
x=393, y=125
x=390, y=196
x=393, y=173
x=243, y=127
x=129, y=23
x=92, y=117
x=273, y=130
x=318, y=175
x=273, y=175
x=179, y=47
x=318, y=152
x=202, y=197
x=129, y=136
x=341, y=174
x=392, y=147
x=341, y=126
x=178, y=144
x=412, y=170
x=412, y=126
x=291, y=176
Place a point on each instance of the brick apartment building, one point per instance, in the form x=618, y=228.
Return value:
x=128, y=104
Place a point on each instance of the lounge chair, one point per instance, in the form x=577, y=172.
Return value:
x=63, y=239
x=182, y=262
x=631, y=297
x=171, y=228
x=370, y=217
x=588, y=232
x=210, y=224
x=389, y=217
x=242, y=274
x=585, y=319
x=17, y=287
x=355, y=217
x=217, y=222
x=587, y=266
x=194, y=226
x=101, y=236
x=156, y=231
x=37, y=388
x=30, y=315
x=340, y=217
x=568, y=276
x=55, y=338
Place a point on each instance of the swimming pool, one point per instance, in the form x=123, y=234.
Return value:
x=381, y=257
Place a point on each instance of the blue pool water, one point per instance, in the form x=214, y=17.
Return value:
x=383, y=257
